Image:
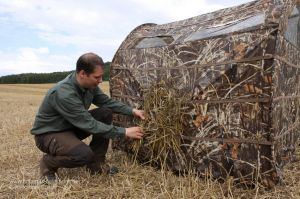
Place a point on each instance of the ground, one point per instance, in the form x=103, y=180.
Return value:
x=19, y=173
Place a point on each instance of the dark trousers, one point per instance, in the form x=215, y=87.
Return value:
x=65, y=149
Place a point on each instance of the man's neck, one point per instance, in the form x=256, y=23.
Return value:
x=79, y=81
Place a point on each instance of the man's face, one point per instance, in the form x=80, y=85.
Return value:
x=92, y=80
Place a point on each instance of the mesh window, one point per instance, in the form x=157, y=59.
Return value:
x=292, y=32
x=222, y=29
x=150, y=42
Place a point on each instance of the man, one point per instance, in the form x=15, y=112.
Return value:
x=63, y=120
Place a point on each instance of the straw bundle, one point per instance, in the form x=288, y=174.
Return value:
x=166, y=111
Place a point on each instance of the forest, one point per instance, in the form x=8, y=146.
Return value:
x=39, y=78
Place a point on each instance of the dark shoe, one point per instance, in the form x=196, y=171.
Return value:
x=102, y=168
x=47, y=173
x=49, y=179
x=94, y=168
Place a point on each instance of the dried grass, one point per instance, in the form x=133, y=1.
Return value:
x=166, y=110
x=19, y=167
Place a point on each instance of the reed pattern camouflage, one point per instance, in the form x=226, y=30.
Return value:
x=240, y=68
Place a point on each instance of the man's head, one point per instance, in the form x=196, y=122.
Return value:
x=89, y=69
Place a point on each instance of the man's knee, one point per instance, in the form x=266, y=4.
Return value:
x=81, y=155
x=102, y=114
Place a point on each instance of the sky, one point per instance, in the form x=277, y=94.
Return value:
x=49, y=35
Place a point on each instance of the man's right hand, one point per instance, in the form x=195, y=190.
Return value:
x=134, y=132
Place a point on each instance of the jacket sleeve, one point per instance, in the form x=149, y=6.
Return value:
x=71, y=108
x=101, y=99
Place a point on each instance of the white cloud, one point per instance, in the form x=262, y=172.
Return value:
x=179, y=9
x=35, y=60
x=63, y=23
x=98, y=26
x=93, y=23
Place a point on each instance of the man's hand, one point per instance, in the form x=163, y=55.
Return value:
x=139, y=113
x=134, y=132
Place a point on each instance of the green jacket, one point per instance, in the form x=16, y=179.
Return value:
x=66, y=106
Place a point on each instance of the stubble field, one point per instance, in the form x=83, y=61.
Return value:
x=19, y=167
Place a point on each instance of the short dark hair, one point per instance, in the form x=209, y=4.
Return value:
x=88, y=62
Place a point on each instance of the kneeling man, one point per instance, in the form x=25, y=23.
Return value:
x=63, y=120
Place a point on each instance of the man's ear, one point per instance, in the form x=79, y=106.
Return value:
x=81, y=73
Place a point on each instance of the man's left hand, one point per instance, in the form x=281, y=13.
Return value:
x=139, y=113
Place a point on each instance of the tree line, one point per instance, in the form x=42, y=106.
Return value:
x=39, y=78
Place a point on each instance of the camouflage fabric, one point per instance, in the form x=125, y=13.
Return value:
x=241, y=67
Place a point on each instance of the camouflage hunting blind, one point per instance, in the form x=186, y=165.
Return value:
x=239, y=69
